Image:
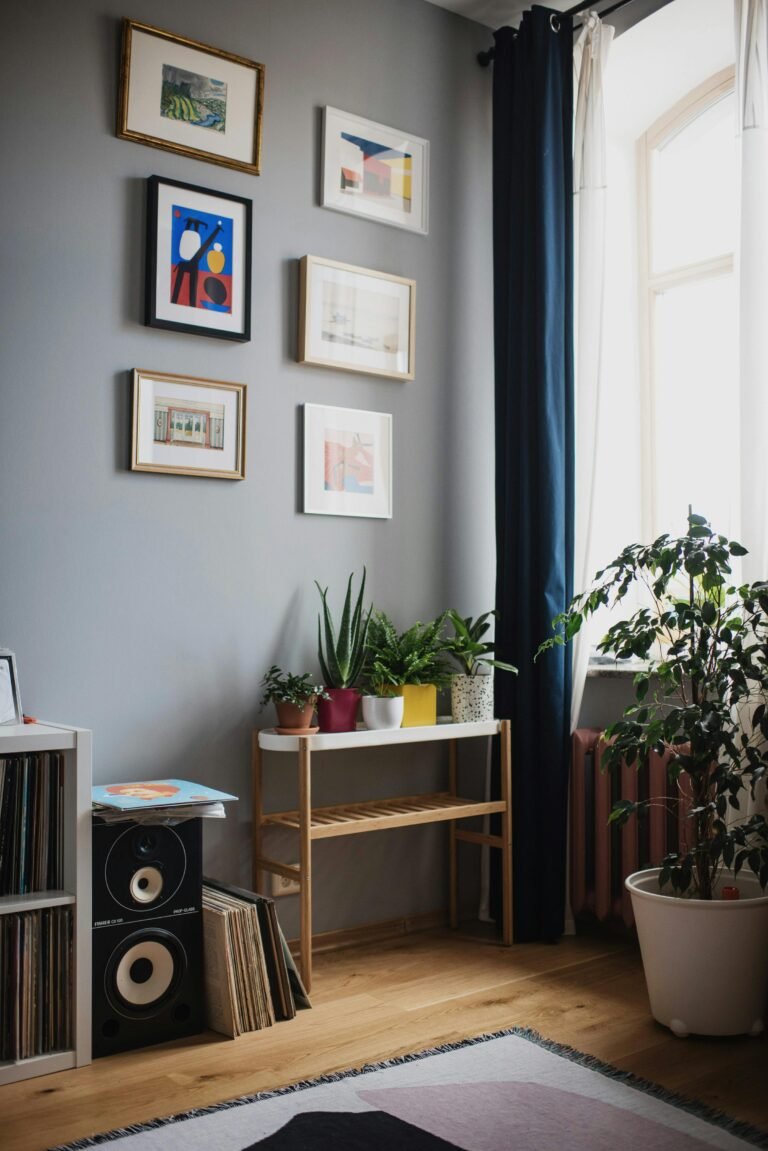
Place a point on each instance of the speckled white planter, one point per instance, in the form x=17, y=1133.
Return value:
x=382, y=712
x=471, y=698
x=705, y=961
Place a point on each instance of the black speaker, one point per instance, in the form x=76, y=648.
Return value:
x=147, y=934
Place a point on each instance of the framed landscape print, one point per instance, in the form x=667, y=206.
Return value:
x=356, y=319
x=188, y=426
x=198, y=264
x=347, y=462
x=186, y=97
x=374, y=171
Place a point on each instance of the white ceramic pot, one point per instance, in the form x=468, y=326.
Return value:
x=471, y=698
x=705, y=961
x=382, y=712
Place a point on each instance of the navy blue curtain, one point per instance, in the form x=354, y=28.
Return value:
x=533, y=323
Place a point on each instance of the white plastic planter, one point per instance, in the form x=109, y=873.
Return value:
x=705, y=961
x=382, y=712
x=471, y=698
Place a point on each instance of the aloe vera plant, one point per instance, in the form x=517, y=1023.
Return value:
x=343, y=652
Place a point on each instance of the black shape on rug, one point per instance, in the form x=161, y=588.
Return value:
x=349, y=1131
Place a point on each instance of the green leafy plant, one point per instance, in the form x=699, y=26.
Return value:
x=415, y=656
x=468, y=647
x=283, y=687
x=700, y=694
x=342, y=651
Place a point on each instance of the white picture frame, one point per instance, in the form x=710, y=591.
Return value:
x=356, y=320
x=374, y=171
x=347, y=462
x=10, y=698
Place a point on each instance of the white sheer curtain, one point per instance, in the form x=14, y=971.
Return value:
x=751, y=18
x=590, y=55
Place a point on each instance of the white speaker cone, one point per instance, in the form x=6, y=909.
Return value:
x=146, y=884
x=138, y=994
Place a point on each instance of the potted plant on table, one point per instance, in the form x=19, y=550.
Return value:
x=294, y=697
x=341, y=652
x=702, y=916
x=472, y=688
x=410, y=664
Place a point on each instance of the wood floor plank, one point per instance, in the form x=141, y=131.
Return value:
x=391, y=998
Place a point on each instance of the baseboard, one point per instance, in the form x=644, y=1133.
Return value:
x=372, y=932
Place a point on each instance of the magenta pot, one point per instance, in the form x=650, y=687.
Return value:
x=339, y=713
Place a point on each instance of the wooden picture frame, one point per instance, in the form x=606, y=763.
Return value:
x=347, y=462
x=190, y=98
x=198, y=266
x=374, y=171
x=355, y=319
x=188, y=426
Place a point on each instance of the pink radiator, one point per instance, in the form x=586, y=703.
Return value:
x=603, y=855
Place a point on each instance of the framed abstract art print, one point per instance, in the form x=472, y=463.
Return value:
x=347, y=462
x=198, y=260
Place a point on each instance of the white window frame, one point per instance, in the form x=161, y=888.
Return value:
x=652, y=283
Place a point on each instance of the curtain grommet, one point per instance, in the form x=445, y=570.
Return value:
x=554, y=23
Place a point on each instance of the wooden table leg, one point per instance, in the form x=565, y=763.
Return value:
x=505, y=736
x=305, y=861
x=453, y=876
x=257, y=808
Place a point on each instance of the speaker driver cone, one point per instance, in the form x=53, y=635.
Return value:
x=144, y=971
x=146, y=884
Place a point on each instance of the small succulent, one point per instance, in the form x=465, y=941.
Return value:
x=342, y=651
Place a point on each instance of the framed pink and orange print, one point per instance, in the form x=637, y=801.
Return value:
x=347, y=462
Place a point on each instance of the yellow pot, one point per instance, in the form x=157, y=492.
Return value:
x=419, y=704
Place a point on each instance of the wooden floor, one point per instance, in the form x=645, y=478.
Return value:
x=390, y=998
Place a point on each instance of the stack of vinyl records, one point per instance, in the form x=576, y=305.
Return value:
x=251, y=979
x=35, y=982
x=31, y=823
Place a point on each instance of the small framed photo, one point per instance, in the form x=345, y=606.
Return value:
x=10, y=700
x=187, y=97
x=374, y=171
x=356, y=319
x=188, y=426
x=347, y=462
x=198, y=264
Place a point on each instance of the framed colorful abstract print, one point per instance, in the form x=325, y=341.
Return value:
x=374, y=171
x=188, y=426
x=198, y=260
x=186, y=97
x=356, y=319
x=347, y=462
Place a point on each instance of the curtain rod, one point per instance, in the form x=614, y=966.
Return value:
x=485, y=58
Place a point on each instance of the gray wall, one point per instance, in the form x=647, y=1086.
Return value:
x=147, y=607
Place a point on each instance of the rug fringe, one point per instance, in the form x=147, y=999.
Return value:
x=720, y=1119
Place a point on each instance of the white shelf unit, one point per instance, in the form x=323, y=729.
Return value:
x=315, y=823
x=75, y=745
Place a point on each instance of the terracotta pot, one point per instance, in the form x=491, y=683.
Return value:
x=471, y=698
x=382, y=712
x=295, y=719
x=704, y=960
x=339, y=713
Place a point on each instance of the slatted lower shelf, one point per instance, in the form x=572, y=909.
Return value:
x=376, y=815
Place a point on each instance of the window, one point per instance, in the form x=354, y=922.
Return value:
x=688, y=206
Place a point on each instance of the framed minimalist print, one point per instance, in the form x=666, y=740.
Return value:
x=374, y=171
x=347, y=462
x=10, y=700
x=186, y=97
x=198, y=260
x=356, y=319
x=189, y=426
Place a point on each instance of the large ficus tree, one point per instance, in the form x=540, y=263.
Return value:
x=701, y=693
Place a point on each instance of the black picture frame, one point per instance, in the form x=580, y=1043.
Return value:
x=180, y=295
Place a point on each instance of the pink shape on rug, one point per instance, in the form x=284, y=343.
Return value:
x=519, y=1116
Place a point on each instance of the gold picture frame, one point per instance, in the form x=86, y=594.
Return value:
x=356, y=319
x=187, y=426
x=189, y=98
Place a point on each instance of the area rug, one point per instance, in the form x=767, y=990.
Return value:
x=511, y=1091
